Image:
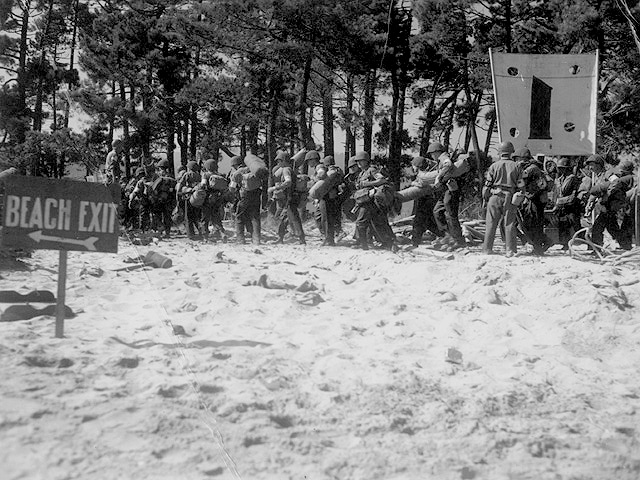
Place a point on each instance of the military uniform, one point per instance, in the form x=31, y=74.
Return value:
x=447, y=207
x=501, y=181
x=369, y=214
x=287, y=203
x=247, y=207
x=567, y=205
x=185, y=187
x=534, y=184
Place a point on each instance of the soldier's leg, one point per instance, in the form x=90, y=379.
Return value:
x=451, y=203
x=493, y=217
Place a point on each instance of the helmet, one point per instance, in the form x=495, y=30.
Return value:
x=139, y=171
x=210, y=165
x=599, y=159
x=236, y=161
x=164, y=163
x=521, y=152
x=435, y=147
x=362, y=156
x=352, y=162
x=564, y=162
x=193, y=166
x=506, y=148
x=626, y=166
x=283, y=157
x=312, y=155
x=328, y=160
x=417, y=162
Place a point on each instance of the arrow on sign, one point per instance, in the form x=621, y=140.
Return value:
x=88, y=243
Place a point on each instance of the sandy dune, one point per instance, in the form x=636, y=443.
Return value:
x=294, y=362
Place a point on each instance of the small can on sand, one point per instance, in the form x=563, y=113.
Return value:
x=157, y=260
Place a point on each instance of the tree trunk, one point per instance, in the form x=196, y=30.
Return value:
x=274, y=107
x=507, y=25
x=37, y=110
x=74, y=35
x=449, y=126
x=369, y=108
x=474, y=136
x=54, y=107
x=350, y=140
x=144, y=129
x=112, y=118
x=22, y=64
x=243, y=141
x=327, y=118
x=487, y=143
x=304, y=134
x=125, y=126
x=431, y=117
x=394, y=136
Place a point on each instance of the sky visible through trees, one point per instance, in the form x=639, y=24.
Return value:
x=205, y=77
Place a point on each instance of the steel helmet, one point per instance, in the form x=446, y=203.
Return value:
x=210, y=165
x=599, y=159
x=164, y=163
x=435, y=147
x=523, y=152
x=506, y=148
x=352, y=162
x=417, y=162
x=236, y=160
x=564, y=162
x=626, y=166
x=362, y=156
x=328, y=161
x=193, y=166
x=312, y=155
x=283, y=157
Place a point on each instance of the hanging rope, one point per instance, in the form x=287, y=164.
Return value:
x=600, y=254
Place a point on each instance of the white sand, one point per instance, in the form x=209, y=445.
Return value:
x=353, y=380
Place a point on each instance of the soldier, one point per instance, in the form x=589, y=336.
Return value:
x=131, y=216
x=186, y=187
x=449, y=192
x=618, y=194
x=247, y=211
x=141, y=194
x=423, y=207
x=328, y=211
x=112, y=164
x=567, y=204
x=501, y=181
x=214, y=204
x=162, y=194
x=369, y=213
x=533, y=184
x=287, y=199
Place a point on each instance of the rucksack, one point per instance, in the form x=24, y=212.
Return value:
x=198, y=196
x=160, y=191
x=461, y=166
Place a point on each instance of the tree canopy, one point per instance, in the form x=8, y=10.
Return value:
x=255, y=75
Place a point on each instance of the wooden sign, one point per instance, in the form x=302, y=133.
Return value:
x=546, y=103
x=44, y=213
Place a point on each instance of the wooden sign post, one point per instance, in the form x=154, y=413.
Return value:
x=44, y=213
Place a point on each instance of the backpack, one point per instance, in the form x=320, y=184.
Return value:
x=461, y=166
x=161, y=190
x=198, y=196
x=302, y=183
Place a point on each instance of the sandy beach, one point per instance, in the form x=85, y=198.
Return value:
x=308, y=362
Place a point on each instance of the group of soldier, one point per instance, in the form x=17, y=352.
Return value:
x=524, y=194
x=520, y=193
